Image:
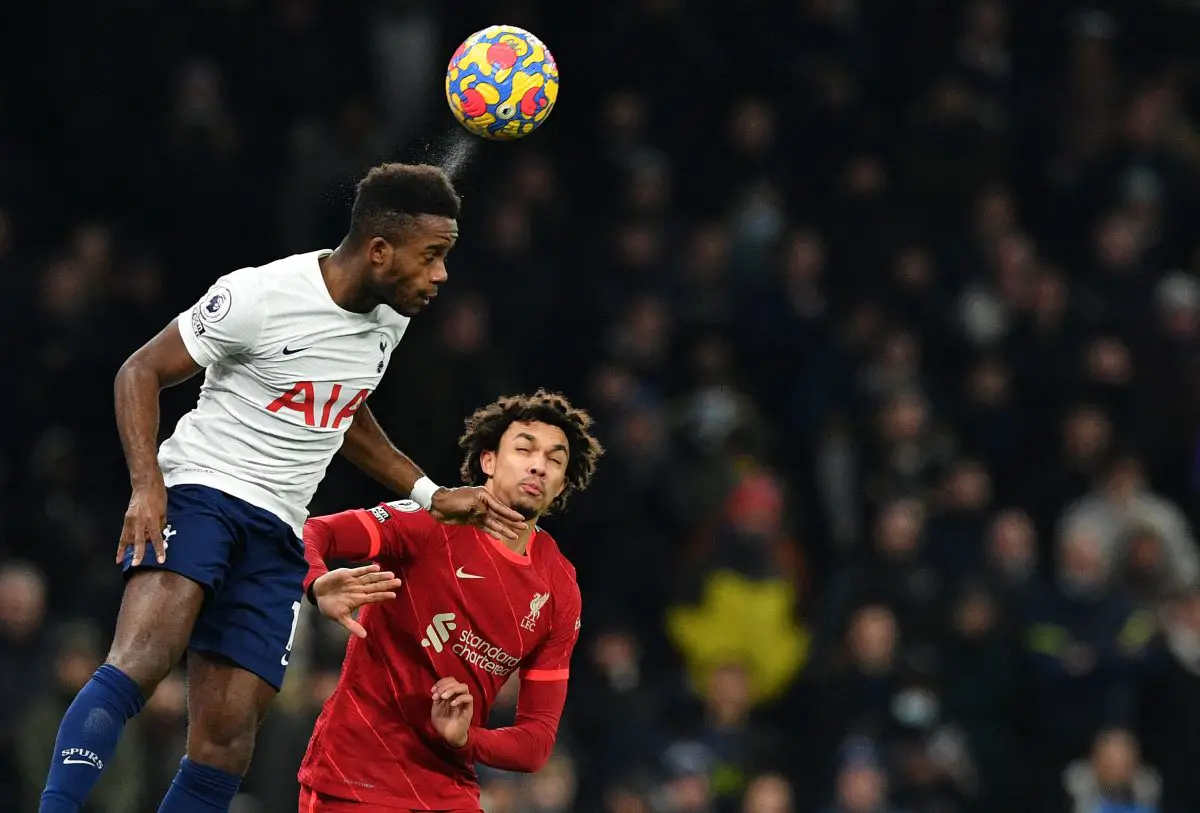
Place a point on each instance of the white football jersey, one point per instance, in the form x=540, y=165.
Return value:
x=286, y=370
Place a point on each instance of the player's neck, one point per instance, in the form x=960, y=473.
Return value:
x=520, y=545
x=344, y=282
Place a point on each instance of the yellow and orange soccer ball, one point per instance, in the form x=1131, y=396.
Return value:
x=501, y=83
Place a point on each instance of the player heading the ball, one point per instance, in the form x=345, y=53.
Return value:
x=474, y=609
x=290, y=352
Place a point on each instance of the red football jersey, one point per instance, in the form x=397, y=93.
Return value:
x=469, y=608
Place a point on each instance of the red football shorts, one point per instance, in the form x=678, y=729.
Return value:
x=313, y=802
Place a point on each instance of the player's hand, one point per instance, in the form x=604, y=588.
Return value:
x=475, y=505
x=453, y=711
x=340, y=592
x=145, y=520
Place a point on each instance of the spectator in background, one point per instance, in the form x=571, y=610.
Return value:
x=1114, y=779
x=768, y=793
x=862, y=783
x=979, y=682
x=897, y=572
x=553, y=788
x=854, y=686
x=25, y=663
x=1085, y=444
x=1171, y=707
x=617, y=679
x=740, y=742
x=1124, y=510
x=1012, y=557
x=687, y=785
x=1088, y=646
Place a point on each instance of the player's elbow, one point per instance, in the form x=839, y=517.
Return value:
x=135, y=374
x=539, y=754
x=540, y=758
x=530, y=761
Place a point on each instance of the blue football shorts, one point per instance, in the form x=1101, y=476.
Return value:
x=252, y=568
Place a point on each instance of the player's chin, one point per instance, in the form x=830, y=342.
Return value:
x=408, y=307
x=527, y=507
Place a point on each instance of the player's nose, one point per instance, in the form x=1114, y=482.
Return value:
x=439, y=275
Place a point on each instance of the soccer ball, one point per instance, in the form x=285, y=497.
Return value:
x=501, y=83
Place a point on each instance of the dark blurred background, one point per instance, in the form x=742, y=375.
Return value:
x=888, y=311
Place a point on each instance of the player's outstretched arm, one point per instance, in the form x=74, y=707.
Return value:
x=368, y=447
x=162, y=362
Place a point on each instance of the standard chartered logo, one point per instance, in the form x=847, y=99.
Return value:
x=473, y=649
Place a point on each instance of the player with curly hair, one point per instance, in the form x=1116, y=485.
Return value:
x=405, y=726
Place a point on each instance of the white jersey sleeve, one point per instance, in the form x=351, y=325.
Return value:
x=227, y=321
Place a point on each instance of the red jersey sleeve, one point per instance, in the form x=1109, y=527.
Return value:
x=391, y=529
x=527, y=744
x=552, y=660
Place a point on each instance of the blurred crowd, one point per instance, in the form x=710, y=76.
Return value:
x=888, y=312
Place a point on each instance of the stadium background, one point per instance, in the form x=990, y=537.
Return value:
x=888, y=312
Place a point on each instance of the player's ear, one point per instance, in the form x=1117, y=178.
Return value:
x=487, y=463
x=380, y=252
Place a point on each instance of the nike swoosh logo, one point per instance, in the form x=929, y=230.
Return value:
x=462, y=574
x=288, y=351
x=70, y=761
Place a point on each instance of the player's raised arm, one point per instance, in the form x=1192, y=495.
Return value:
x=368, y=447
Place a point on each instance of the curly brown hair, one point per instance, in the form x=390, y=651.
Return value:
x=485, y=428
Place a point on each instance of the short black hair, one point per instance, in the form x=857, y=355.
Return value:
x=485, y=428
x=390, y=196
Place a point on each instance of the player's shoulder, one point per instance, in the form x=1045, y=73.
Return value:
x=240, y=288
x=407, y=513
x=400, y=510
x=552, y=559
x=294, y=274
x=254, y=283
x=283, y=271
